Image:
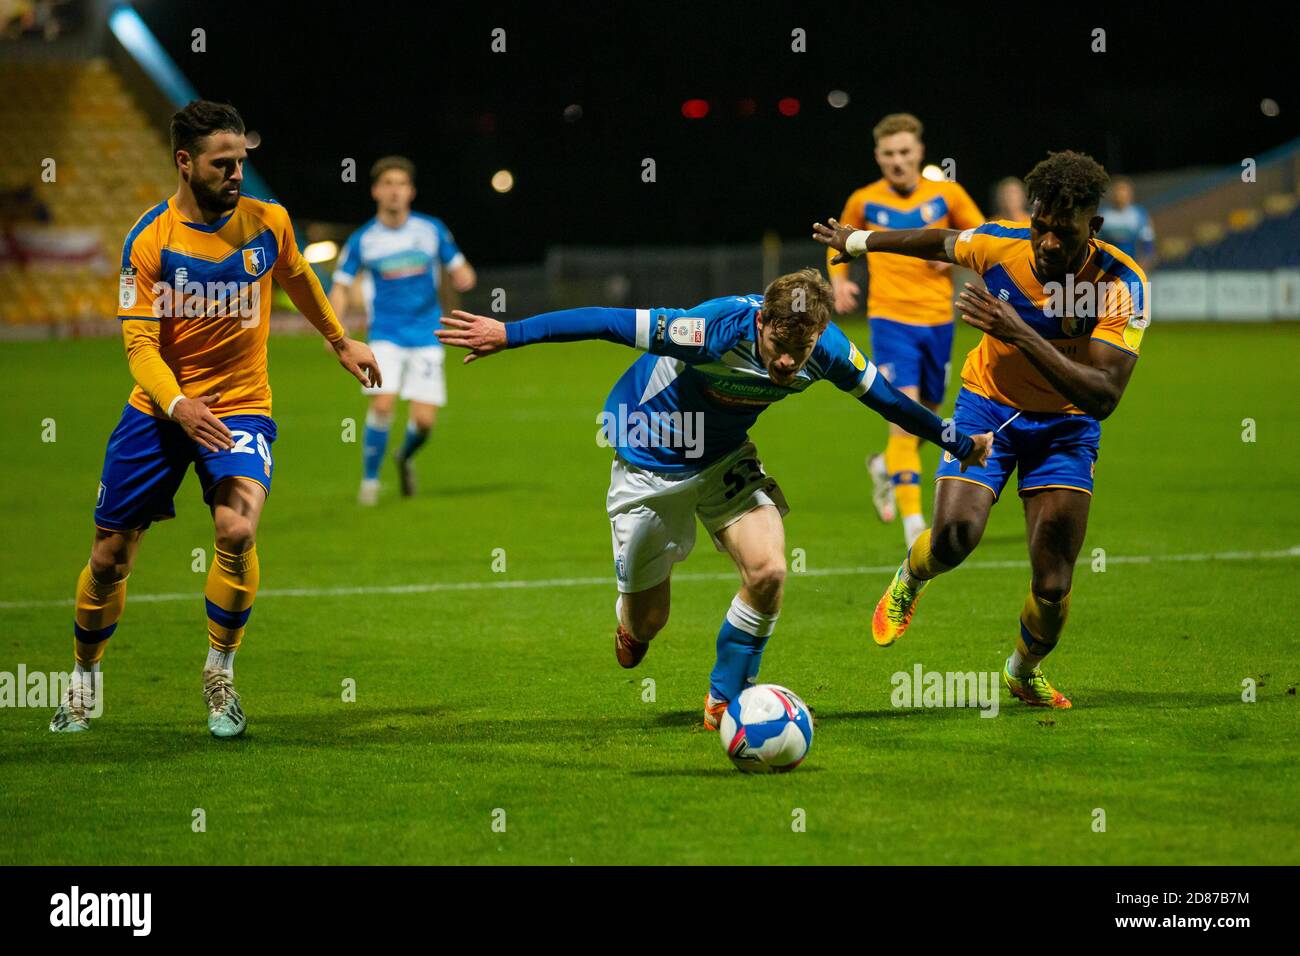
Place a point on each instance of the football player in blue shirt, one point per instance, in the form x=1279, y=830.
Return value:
x=401, y=251
x=679, y=421
x=1126, y=225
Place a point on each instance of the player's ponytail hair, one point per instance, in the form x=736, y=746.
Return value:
x=1066, y=181
x=202, y=118
x=798, y=304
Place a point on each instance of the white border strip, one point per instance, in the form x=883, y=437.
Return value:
x=608, y=580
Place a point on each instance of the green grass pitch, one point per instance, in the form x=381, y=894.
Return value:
x=478, y=690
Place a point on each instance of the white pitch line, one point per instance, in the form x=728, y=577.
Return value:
x=437, y=586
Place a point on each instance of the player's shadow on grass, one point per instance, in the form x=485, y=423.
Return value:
x=440, y=727
x=723, y=771
x=344, y=726
x=896, y=713
x=1084, y=700
x=1160, y=700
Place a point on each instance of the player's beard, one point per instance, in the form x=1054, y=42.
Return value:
x=213, y=200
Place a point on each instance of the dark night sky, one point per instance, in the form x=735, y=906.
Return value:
x=996, y=90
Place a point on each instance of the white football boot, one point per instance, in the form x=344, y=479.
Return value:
x=882, y=489
x=225, y=716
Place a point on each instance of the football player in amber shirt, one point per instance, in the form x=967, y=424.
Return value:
x=194, y=300
x=1063, y=318
x=909, y=301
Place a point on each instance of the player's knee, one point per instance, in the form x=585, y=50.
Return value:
x=766, y=581
x=234, y=532
x=953, y=541
x=379, y=415
x=1051, y=588
x=423, y=417
x=646, y=622
x=111, y=558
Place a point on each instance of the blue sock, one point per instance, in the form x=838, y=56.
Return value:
x=374, y=442
x=415, y=439
x=741, y=640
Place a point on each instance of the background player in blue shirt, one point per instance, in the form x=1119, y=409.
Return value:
x=1126, y=225
x=400, y=252
x=679, y=421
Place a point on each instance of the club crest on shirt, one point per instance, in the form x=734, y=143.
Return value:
x=255, y=261
x=687, y=331
x=1072, y=325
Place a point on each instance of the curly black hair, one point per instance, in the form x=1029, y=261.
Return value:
x=1066, y=181
x=200, y=118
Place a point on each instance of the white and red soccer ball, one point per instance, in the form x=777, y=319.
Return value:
x=766, y=729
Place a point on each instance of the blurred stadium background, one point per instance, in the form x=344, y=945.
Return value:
x=86, y=88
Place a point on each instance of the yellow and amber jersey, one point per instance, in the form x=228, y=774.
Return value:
x=1105, y=301
x=199, y=296
x=903, y=288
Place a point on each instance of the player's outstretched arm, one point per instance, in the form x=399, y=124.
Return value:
x=892, y=405
x=485, y=336
x=933, y=244
x=305, y=292
x=1094, y=388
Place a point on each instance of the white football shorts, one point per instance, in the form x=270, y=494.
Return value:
x=412, y=373
x=652, y=514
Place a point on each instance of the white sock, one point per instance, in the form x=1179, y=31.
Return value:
x=750, y=620
x=618, y=610
x=86, y=676
x=223, y=660
x=913, y=525
x=1016, y=664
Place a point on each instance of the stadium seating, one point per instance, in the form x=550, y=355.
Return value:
x=110, y=165
x=1268, y=243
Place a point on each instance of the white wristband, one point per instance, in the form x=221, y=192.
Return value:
x=856, y=244
x=172, y=406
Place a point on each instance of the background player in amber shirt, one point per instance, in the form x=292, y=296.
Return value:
x=195, y=303
x=909, y=301
x=1063, y=317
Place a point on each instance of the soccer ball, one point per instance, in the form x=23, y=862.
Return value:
x=767, y=729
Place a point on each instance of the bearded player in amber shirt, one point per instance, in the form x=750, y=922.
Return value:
x=194, y=300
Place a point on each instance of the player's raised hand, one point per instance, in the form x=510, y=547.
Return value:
x=483, y=336
x=986, y=312
x=834, y=235
x=357, y=358
x=979, y=451
x=194, y=415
